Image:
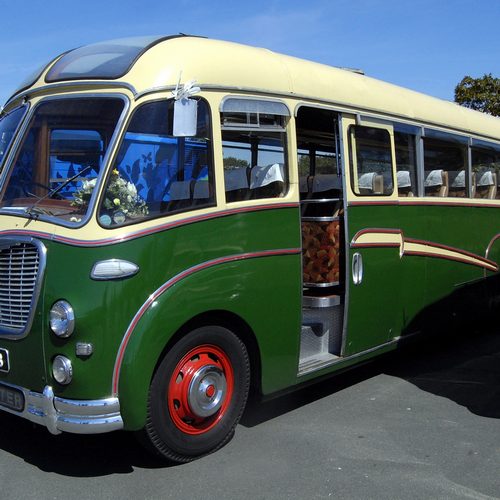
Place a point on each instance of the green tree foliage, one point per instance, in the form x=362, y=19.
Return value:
x=324, y=164
x=232, y=162
x=481, y=94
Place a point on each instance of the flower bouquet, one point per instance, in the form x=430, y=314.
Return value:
x=121, y=200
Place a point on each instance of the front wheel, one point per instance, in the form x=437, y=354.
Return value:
x=198, y=394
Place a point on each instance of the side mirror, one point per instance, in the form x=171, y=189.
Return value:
x=185, y=118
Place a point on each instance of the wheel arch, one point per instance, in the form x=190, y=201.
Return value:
x=262, y=321
x=235, y=324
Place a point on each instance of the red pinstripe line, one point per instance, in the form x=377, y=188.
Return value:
x=171, y=282
x=367, y=203
x=145, y=232
x=422, y=203
x=451, y=249
x=486, y=263
x=377, y=230
x=448, y=257
x=375, y=245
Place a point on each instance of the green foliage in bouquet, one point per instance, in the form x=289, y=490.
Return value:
x=121, y=196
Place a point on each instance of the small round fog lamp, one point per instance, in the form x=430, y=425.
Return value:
x=62, y=371
x=62, y=319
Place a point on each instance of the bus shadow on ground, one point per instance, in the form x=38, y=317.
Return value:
x=465, y=369
x=72, y=454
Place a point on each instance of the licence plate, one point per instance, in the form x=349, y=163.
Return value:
x=4, y=360
x=11, y=398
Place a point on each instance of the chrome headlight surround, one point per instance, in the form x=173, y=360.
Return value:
x=62, y=319
x=62, y=370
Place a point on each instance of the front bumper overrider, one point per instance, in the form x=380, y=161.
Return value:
x=69, y=415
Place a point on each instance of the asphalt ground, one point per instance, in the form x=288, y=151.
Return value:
x=418, y=424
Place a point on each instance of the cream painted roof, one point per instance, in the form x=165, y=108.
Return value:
x=225, y=64
x=230, y=65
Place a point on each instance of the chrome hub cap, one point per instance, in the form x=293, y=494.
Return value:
x=207, y=391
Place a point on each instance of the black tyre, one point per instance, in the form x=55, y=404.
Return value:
x=198, y=394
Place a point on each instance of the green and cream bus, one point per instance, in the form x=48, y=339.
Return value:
x=185, y=220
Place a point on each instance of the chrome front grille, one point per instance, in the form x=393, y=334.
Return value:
x=19, y=276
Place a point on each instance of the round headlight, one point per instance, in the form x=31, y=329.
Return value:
x=62, y=371
x=62, y=319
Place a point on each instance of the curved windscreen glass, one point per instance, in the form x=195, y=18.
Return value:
x=104, y=60
x=8, y=127
x=57, y=164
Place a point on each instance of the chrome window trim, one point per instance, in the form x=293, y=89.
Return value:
x=485, y=145
x=308, y=100
x=431, y=133
x=13, y=143
x=15, y=334
x=255, y=99
x=105, y=161
x=69, y=86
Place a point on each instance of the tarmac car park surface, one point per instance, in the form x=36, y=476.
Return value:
x=421, y=423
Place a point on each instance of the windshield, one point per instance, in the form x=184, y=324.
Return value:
x=61, y=153
x=8, y=127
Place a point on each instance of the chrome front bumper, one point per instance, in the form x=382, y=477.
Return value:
x=69, y=415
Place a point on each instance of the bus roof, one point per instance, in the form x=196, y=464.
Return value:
x=227, y=65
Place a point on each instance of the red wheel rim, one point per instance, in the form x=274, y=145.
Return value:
x=200, y=389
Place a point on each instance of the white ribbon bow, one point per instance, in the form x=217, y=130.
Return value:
x=189, y=89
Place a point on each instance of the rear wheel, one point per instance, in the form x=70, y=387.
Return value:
x=198, y=394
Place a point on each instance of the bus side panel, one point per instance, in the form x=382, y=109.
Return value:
x=413, y=223
x=374, y=305
x=262, y=291
x=105, y=309
x=457, y=288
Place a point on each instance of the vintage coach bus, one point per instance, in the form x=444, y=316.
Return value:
x=166, y=248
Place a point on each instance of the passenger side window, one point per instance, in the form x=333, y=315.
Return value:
x=406, y=164
x=254, y=149
x=156, y=173
x=485, y=173
x=371, y=172
x=445, y=164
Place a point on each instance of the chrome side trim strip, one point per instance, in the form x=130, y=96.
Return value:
x=66, y=415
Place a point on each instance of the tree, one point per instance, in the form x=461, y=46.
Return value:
x=481, y=94
x=232, y=162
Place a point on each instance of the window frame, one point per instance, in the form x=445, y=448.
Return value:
x=246, y=128
x=210, y=156
x=459, y=142
x=13, y=143
x=24, y=129
x=352, y=150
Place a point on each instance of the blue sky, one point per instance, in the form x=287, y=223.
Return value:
x=425, y=45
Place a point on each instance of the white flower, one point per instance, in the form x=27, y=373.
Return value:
x=131, y=189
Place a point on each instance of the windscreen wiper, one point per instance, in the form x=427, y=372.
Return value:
x=35, y=210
